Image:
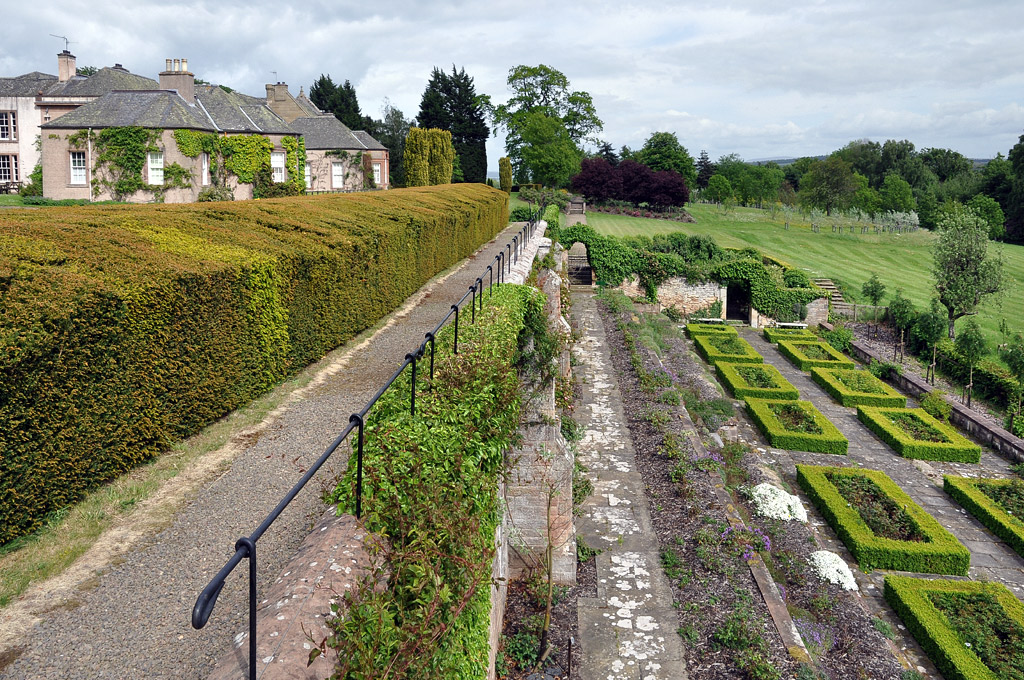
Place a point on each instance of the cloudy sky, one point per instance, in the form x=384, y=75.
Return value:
x=761, y=79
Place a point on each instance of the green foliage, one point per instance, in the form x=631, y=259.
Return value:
x=191, y=143
x=856, y=388
x=35, y=182
x=662, y=151
x=829, y=440
x=295, y=163
x=725, y=347
x=939, y=553
x=907, y=432
x=549, y=156
x=429, y=157
x=718, y=190
x=975, y=495
x=896, y=195
x=245, y=155
x=121, y=154
x=991, y=380
x=873, y=289
x=965, y=273
x=796, y=278
x=122, y=336
x=450, y=103
x=839, y=337
x=808, y=355
x=505, y=174
x=941, y=635
x=761, y=381
x=520, y=213
x=902, y=311
x=695, y=329
x=989, y=210
x=935, y=405
x=774, y=334
x=829, y=184
x=431, y=492
x=341, y=100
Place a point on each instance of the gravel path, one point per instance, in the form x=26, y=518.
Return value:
x=132, y=620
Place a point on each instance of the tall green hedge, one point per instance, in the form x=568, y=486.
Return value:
x=967, y=492
x=429, y=157
x=125, y=328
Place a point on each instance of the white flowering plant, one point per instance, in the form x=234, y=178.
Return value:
x=832, y=568
x=771, y=501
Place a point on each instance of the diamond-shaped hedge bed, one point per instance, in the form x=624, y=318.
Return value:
x=730, y=348
x=761, y=381
x=971, y=630
x=776, y=334
x=851, y=387
x=881, y=525
x=991, y=502
x=695, y=329
x=808, y=354
x=796, y=426
x=913, y=433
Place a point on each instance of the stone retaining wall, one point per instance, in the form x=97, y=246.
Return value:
x=966, y=419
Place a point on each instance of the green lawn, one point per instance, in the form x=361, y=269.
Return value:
x=899, y=260
x=11, y=199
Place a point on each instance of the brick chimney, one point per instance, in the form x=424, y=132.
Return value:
x=176, y=76
x=65, y=66
x=281, y=102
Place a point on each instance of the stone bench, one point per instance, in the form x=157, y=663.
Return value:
x=711, y=320
x=790, y=325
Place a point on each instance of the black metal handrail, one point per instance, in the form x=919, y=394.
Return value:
x=245, y=547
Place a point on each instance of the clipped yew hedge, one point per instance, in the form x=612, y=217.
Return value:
x=772, y=334
x=930, y=627
x=939, y=553
x=726, y=347
x=125, y=328
x=851, y=387
x=733, y=377
x=794, y=351
x=954, y=447
x=1001, y=523
x=828, y=440
x=694, y=329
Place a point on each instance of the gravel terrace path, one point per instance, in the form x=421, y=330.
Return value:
x=628, y=630
x=133, y=619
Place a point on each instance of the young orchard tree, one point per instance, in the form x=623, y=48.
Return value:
x=964, y=271
x=874, y=290
x=971, y=344
x=903, y=316
x=929, y=329
x=1013, y=355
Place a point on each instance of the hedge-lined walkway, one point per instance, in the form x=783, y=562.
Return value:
x=991, y=559
x=132, y=620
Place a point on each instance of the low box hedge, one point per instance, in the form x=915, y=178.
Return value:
x=794, y=351
x=908, y=596
x=693, y=329
x=732, y=376
x=127, y=327
x=956, y=448
x=729, y=348
x=965, y=491
x=851, y=387
x=828, y=440
x=776, y=334
x=940, y=553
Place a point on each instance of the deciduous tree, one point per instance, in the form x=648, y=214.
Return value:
x=963, y=269
x=719, y=189
x=549, y=155
x=597, y=180
x=828, y=185
x=896, y=194
x=971, y=345
x=392, y=129
x=662, y=151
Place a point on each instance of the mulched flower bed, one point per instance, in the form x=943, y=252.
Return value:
x=916, y=428
x=1009, y=497
x=723, y=620
x=795, y=418
x=879, y=512
x=984, y=627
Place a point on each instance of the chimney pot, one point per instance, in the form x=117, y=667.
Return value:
x=167, y=64
x=184, y=64
x=177, y=64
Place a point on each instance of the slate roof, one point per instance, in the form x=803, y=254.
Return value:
x=307, y=105
x=105, y=80
x=27, y=85
x=326, y=132
x=152, y=109
x=237, y=112
x=368, y=141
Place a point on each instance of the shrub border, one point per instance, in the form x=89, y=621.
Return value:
x=790, y=350
x=942, y=553
x=712, y=355
x=831, y=440
x=693, y=329
x=1001, y=523
x=741, y=389
x=773, y=335
x=826, y=377
x=958, y=450
x=907, y=595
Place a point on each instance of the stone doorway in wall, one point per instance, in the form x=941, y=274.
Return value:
x=580, y=272
x=737, y=301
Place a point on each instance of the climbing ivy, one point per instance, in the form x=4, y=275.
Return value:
x=191, y=143
x=244, y=155
x=295, y=162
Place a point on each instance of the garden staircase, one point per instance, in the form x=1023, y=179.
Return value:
x=830, y=289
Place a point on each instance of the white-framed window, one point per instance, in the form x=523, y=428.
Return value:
x=309, y=176
x=277, y=159
x=376, y=174
x=8, y=125
x=206, y=169
x=77, y=167
x=337, y=175
x=9, y=168
x=156, y=168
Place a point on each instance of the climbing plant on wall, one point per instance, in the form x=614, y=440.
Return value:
x=121, y=154
x=295, y=162
x=244, y=155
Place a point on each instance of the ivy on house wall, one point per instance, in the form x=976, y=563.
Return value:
x=295, y=162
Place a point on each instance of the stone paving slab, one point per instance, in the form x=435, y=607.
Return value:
x=628, y=630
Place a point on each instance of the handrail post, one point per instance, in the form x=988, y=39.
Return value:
x=480, y=286
x=412, y=392
x=490, y=285
x=250, y=547
x=430, y=337
x=455, y=345
x=515, y=249
x=359, y=464
x=501, y=265
x=508, y=257
x=472, y=304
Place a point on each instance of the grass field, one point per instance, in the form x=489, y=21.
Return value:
x=900, y=260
